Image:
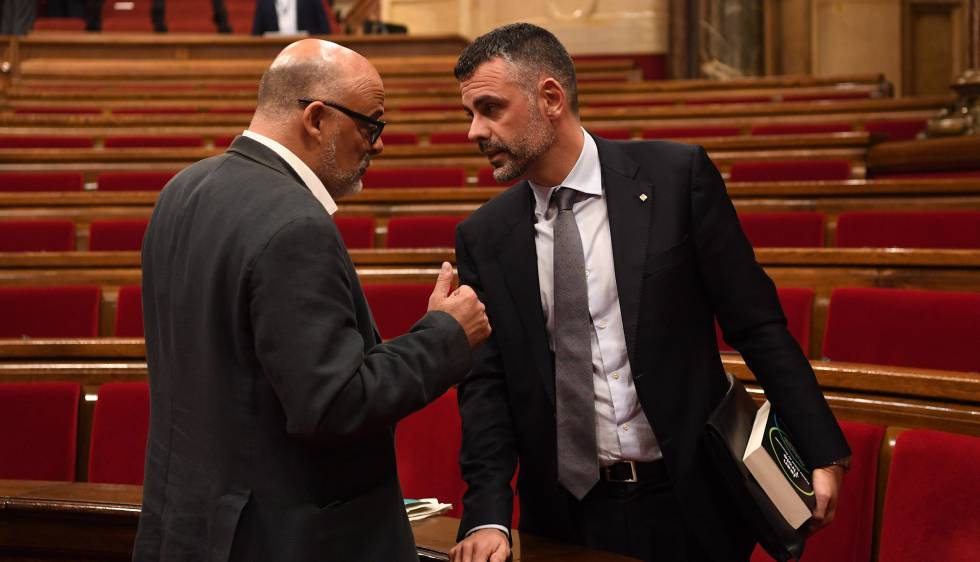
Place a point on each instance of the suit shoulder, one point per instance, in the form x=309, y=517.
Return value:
x=662, y=151
x=498, y=208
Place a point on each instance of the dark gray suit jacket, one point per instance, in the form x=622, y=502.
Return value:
x=273, y=401
x=681, y=259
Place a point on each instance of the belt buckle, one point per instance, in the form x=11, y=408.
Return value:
x=632, y=479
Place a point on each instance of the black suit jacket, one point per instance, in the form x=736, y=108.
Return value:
x=681, y=259
x=272, y=399
x=310, y=17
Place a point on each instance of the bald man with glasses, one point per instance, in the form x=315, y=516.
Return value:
x=273, y=399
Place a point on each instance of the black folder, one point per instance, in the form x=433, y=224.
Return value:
x=726, y=436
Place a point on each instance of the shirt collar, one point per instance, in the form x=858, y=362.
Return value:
x=585, y=176
x=312, y=182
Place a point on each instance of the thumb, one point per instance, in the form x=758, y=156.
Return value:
x=444, y=282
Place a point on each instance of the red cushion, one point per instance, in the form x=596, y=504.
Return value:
x=33, y=141
x=119, y=429
x=932, y=504
x=37, y=236
x=41, y=181
x=49, y=312
x=460, y=137
x=423, y=231
x=794, y=229
x=154, y=111
x=224, y=141
x=801, y=128
x=896, y=129
x=690, y=132
x=62, y=110
x=40, y=424
x=117, y=235
x=232, y=110
x=397, y=307
x=427, y=447
x=849, y=537
x=791, y=170
x=357, y=232
x=129, y=312
x=59, y=24
x=729, y=99
x=797, y=304
x=631, y=103
x=400, y=138
x=909, y=229
x=133, y=181
x=153, y=142
x=415, y=177
x=927, y=329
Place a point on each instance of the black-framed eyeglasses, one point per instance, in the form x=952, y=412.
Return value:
x=376, y=124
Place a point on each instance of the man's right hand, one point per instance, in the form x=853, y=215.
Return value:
x=462, y=304
x=482, y=546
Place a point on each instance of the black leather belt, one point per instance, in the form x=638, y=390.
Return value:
x=630, y=471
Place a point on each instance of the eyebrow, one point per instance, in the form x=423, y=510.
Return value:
x=487, y=98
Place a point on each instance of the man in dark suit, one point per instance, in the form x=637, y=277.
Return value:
x=273, y=400
x=602, y=273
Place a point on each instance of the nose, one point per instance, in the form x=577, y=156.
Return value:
x=478, y=129
x=377, y=148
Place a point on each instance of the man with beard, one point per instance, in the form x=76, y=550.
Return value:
x=602, y=273
x=273, y=400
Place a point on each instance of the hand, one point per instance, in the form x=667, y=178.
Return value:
x=481, y=546
x=826, y=487
x=462, y=304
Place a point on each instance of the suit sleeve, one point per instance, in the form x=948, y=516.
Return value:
x=488, y=456
x=307, y=340
x=747, y=307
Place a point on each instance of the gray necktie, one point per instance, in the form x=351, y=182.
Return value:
x=578, y=462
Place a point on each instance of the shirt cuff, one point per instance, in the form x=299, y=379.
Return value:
x=500, y=528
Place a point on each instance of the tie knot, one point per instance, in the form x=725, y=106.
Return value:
x=565, y=197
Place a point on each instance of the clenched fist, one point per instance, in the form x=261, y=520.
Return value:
x=462, y=304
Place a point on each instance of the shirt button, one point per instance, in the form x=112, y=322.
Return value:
x=626, y=427
x=602, y=324
x=615, y=376
x=588, y=272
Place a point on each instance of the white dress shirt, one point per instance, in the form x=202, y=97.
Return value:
x=312, y=182
x=286, y=15
x=622, y=429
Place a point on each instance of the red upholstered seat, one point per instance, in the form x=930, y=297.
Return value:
x=400, y=138
x=357, y=232
x=414, y=107
x=896, y=129
x=119, y=429
x=39, y=422
x=427, y=446
x=801, y=128
x=631, y=103
x=690, y=132
x=797, y=306
x=49, y=312
x=58, y=110
x=849, y=538
x=36, y=141
x=790, y=170
x=423, y=231
x=415, y=177
x=932, y=504
x=231, y=110
x=59, y=24
x=728, y=99
x=396, y=307
x=41, y=181
x=154, y=111
x=907, y=328
x=37, y=236
x=129, y=312
x=153, y=142
x=909, y=229
x=794, y=229
x=117, y=235
x=451, y=137
x=133, y=181
x=224, y=141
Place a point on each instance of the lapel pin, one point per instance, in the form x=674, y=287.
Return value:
x=643, y=197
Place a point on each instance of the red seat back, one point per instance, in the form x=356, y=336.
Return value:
x=37, y=236
x=49, y=312
x=133, y=181
x=153, y=142
x=797, y=304
x=450, y=137
x=794, y=230
x=427, y=446
x=690, y=132
x=415, y=177
x=357, y=232
x=801, y=128
x=791, y=170
x=117, y=235
x=397, y=307
x=400, y=138
x=908, y=328
x=39, y=422
x=119, y=429
x=932, y=504
x=423, y=231
x=129, y=312
x=38, y=141
x=896, y=129
x=909, y=229
x=41, y=181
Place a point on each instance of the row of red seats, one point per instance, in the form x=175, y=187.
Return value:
x=855, y=229
x=38, y=442
x=904, y=129
x=906, y=328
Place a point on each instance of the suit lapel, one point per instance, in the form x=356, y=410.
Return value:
x=628, y=201
x=518, y=262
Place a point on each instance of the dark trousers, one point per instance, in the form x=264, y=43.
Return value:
x=93, y=16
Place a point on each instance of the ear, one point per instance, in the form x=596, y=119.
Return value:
x=313, y=119
x=552, y=97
